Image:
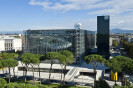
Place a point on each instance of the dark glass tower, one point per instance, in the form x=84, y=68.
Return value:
x=103, y=35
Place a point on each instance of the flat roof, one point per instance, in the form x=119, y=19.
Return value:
x=54, y=29
x=7, y=37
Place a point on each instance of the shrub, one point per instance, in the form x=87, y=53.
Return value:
x=128, y=83
x=12, y=85
x=31, y=86
x=2, y=83
x=121, y=87
x=43, y=86
x=21, y=85
x=101, y=84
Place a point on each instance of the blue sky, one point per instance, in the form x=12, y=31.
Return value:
x=17, y=15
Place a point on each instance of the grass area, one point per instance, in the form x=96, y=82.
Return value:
x=62, y=86
x=46, y=85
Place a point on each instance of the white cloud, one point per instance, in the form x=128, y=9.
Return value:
x=65, y=5
x=103, y=6
x=121, y=11
x=124, y=22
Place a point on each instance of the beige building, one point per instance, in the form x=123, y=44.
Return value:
x=10, y=43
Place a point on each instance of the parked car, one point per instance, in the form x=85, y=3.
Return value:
x=69, y=83
x=2, y=75
x=79, y=83
x=5, y=75
x=27, y=77
x=15, y=77
x=51, y=81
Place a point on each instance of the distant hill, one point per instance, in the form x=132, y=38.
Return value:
x=11, y=32
x=117, y=30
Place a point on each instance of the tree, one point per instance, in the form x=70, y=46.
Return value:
x=68, y=59
x=101, y=83
x=94, y=59
x=2, y=83
x=41, y=58
x=129, y=68
x=51, y=56
x=29, y=59
x=1, y=66
x=25, y=58
x=0, y=56
x=124, y=63
x=10, y=63
x=5, y=55
x=131, y=51
x=34, y=61
x=62, y=59
x=114, y=66
x=115, y=43
x=118, y=64
x=128, y=47
x=9, y=55
x=15, y=63
x=14, y=56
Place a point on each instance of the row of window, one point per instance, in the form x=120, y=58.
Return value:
x=8, y=48
x=8, y=41
x=8, y=44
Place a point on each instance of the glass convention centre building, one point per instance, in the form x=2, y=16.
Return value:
x=78, y=41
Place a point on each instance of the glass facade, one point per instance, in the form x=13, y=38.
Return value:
x=103, y=35
x=75, y=40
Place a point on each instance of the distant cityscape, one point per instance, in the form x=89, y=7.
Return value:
x=116, y=30
x=73, y=57
x=66, y=43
